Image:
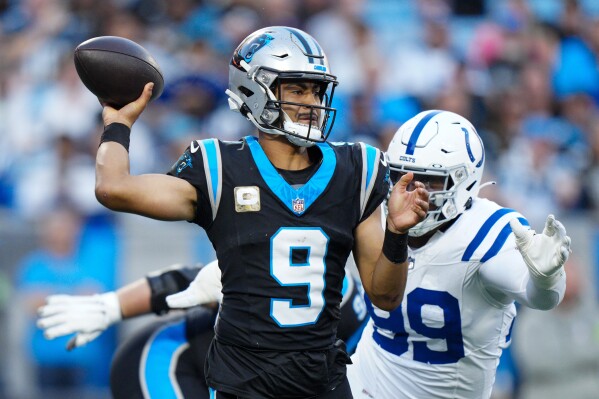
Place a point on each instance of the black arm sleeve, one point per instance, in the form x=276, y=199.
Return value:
x=190, y=167
x=169, y=281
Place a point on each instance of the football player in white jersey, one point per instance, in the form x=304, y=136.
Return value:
x=470, y=259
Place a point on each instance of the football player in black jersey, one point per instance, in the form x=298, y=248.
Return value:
x=165, y=358
x=283, y=212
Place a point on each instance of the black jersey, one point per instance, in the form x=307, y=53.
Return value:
x=182, y=343
x=282, y=250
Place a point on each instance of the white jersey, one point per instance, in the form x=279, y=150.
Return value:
x=445, y=339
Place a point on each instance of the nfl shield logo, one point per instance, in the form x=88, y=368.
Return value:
x=298, y=205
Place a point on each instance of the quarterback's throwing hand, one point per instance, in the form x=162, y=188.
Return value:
x=406, y=208
x=130, y=112
x=544, y=253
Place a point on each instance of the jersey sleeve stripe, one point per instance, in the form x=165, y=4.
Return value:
x=498, y=243
x=371, y=157
x=500, y=240
x=483, y=231
x=213, y=167
x=161, y=352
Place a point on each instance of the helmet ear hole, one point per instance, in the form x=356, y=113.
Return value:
x=246, y=92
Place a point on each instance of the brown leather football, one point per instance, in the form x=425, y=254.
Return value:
x=116, y=69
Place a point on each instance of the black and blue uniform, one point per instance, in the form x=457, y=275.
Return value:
x=282, y=249
x=165, y=358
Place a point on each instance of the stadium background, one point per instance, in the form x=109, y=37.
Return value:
x=526, y=73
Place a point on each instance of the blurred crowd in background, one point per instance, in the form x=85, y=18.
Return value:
x=526, y=73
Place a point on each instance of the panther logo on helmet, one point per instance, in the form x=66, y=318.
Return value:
x=250, y=46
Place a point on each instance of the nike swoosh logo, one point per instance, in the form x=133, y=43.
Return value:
x=194, y=146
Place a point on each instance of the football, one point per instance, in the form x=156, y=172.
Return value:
x=116, y=69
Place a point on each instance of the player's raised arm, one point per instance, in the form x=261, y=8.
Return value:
x=384, y=274
x=156, y=196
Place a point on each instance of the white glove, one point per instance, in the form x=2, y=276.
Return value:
x=546, y=253
x=205, y=288
x=85, y=315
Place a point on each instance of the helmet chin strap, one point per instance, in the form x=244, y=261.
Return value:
x=301, y=130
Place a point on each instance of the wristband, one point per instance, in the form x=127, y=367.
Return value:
x=118, y=133
x=159, y=292
x=168, y=281
x=395, y=246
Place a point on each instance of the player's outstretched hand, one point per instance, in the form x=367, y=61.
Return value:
x=406, y=208
x=86, y=316
x=544, y=253
x=130, y=112
x=205, y=288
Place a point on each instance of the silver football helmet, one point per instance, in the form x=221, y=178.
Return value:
x=446, y=153
x=259, y=64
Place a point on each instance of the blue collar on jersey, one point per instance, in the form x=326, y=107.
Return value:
x=297, y=200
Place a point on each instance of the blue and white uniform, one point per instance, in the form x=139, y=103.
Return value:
x=445, y=339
